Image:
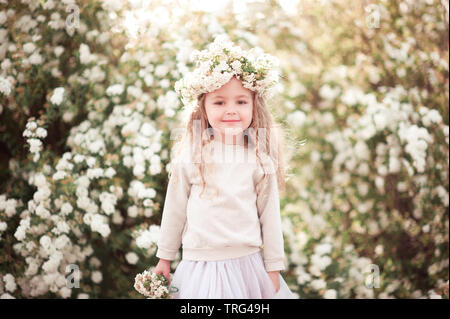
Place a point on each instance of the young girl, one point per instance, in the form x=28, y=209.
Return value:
x=222, y=201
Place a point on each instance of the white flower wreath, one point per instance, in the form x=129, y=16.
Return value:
x=217, y=64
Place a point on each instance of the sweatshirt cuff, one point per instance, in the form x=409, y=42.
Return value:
x=274, y=265
x=166, y=253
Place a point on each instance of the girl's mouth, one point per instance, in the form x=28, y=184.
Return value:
x=230, y=121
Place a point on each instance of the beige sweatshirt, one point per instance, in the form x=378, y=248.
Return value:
x=233, y=223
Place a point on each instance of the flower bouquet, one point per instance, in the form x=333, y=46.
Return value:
x=153, y=286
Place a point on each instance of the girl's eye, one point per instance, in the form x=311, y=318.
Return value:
x=240, y=102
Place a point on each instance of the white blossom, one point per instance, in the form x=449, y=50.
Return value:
x=85, y=55
x=10, y=283
x=5, y=86
x=57, y=96
x=318, y=284
x=115, y=89
x=330, y=294
x=148, y=237
x=97, y=277
x=132, y=258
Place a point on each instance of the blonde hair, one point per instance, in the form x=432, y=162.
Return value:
x=261, y=118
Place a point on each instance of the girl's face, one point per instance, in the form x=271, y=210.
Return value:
x=229, y=110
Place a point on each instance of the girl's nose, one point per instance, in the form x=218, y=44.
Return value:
x=232, y=109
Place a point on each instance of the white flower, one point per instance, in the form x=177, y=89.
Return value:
x=236, y=65
x=96, y=277
x=91, y=161
x=10, y=207
x=31, y=125
x=328, y=93
x=146, y=192
x=132, y=258
x=115, y=89
x=5, y=86
x=98, y=223
x=29, y=47
x=45, y=241
x=52, y=264
x=10, y=283
x=148, y=237
x=93, y=173
x=138, y=170
x=321, y=262
x=148, y=79
x=95, y=262
x=41, y=132
x=57, y=96
x=62, y=240
x=85, y=54
x=296, y=118
x=132, y=211
x=323, y=249
x=108, y=205
x=59, y=175
x=78, y=158
x=42, y=211
x=147, y=202
x=35, y=144
x=20, y=231
x=3, y=17
x=417, y=139
x=430, y=116
x=62, y=227
x=65, y=292
x=352, y=96
x=318, y=284
x=58, y=50
x=161, y=70
x=66, y=209
x=110, y=172
x=147, y=129
x=35, y=58
x=330, y=294
x=379, y=249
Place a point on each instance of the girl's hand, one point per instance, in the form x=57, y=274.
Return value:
x=275, y=277
x=163, y=267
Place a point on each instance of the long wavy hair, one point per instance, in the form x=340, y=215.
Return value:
x=272, y=142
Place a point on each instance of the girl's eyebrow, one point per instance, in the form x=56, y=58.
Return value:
x=242, y=95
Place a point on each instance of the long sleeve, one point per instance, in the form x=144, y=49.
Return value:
x=268, y=204
x=174, y=212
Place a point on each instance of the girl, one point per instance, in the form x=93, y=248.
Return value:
x=222, y=201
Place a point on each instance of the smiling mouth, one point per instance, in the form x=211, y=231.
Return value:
x=230, y=121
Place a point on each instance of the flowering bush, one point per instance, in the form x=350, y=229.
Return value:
x=371, y=184
x=91, y=187
x=365, y=212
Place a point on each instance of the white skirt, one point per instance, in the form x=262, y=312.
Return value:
x=238, y=278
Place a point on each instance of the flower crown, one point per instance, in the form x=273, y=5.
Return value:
x=217, y=64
